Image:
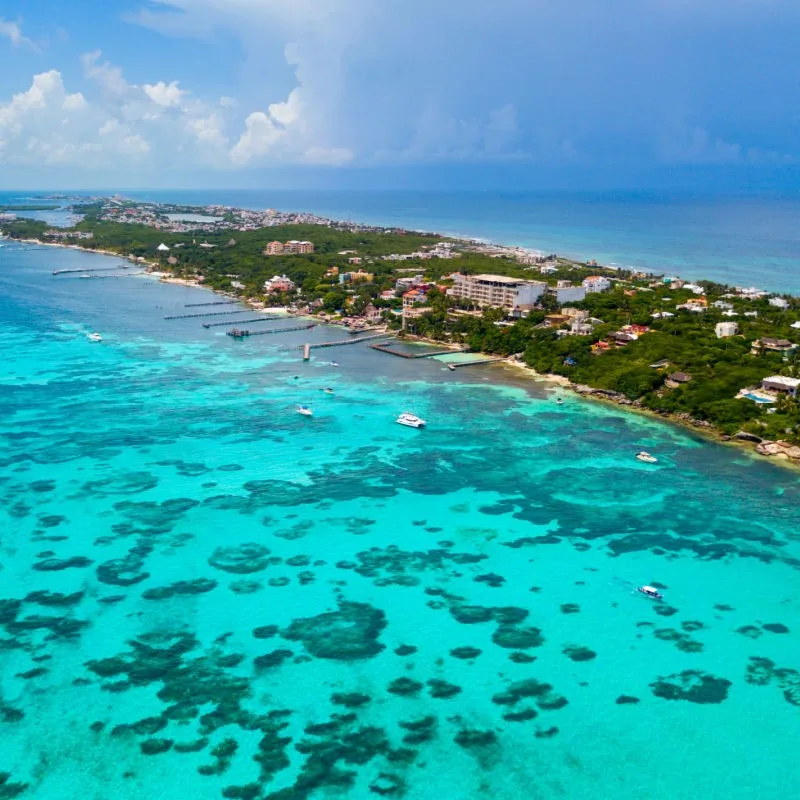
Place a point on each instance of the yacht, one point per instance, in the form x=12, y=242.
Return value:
x=643, y=455
x=410, y=420
x=305, y=411
x=95, y=337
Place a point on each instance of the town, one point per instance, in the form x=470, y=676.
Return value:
x=721, y=358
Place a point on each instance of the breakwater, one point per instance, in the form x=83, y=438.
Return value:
x=385, y=348
x=214, y=303
x=92, y=269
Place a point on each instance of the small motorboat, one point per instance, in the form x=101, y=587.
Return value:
x=410, y=420
x=95, y=337
x=305, y=411
x=650, y=591
x=328, y=390
x=643, y=455
x=333, y=363
x=451, y=367
x=559, y=401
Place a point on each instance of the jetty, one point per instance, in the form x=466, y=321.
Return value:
x=342, y=342
x=213, y=303
x=237, y=333
x=385, y=348
x=252, y=321
x=207, y=314
x=459, y=364
x=93, y=269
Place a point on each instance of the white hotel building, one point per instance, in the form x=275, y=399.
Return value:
x=497, y=290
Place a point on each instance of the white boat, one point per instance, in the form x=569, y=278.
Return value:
x=328, y=390
x=333, y=363
x=410, y=420
x=559, y=401
x=451, y=367
x=305, y=411
x=643, y=455
x=95, y=337
x=650, y=591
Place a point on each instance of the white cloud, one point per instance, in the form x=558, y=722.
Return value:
x=167, y=95
x=105, y=74
x=258, y=139
x=13, y=32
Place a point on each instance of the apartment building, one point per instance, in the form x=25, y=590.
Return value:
x=497, y=290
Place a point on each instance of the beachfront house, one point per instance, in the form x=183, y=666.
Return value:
x=781, y=384
x=768, y=344
x=497, y=290
x=677, y=379
x=278, y=283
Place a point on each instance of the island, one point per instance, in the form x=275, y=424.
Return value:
x=722, y=359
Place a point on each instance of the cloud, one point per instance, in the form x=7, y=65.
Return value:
x=105, y=74
x=167, y=95
x=13, y=32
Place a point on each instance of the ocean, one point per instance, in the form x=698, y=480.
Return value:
x=739, y=240
x=205, y=594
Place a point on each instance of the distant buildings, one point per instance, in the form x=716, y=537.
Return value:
x=779, y=302
x=497, y=290
x=356, y=276
x=292, y=247
x=725, y=329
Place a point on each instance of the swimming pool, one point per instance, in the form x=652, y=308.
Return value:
x=756, y=398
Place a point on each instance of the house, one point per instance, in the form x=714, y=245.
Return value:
x=729, y=313
x=556, y=320
x=755, y=314
x=795, y=324
x=404, y=284
x=577, y=314
x=568, y=293
x=596, y=283
x=354, y=260
x=725, y=329
x=332, y=272
x=772, y=345
x=694, y=288
x=677, y=379
x=778, y=383
x=779, y=302
x=162, y=248
x=662, y=315
x=356, y=276
x=600, y=347
x=722, y=304
x=621, y=338
x=278, y=283
x=373, y=314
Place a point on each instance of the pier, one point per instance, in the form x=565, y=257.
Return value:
x=93, y=269
x=214, y=303
x=342, y=342
x=236, y=333
x=385, y=348
x=459, y=364
x=252, y=321
x=207, y=314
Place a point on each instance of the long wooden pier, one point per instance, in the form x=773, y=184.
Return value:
x=385, y=348
x=342, y=342
x=458, y=364
x=241, y=334
x=93, y=269
x=214, y=303
x=252, y=321
x=207, y=314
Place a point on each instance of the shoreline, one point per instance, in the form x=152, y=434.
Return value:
x=705, y=431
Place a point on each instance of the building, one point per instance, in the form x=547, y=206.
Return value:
x=778, y=383
x=568, y=294
x=779, y=302
x=725, y=329
x=556, y=320
x=162, y=248
x=497, y=290
x=354, y=260
x=278, y=283
x=596, y=283
x=372, y=314
x=404, y=284
x=677, y=379
x=332, y=272
x=694, y=288
x=772, y=345
x=295, y=247
x=273, y=249
x=356, y=276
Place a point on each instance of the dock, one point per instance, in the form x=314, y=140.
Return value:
x=342, y=342
x=458, y=365
x=237, y=333
x=207, y=314
x=252, y=321
x=214, y=303
x=93, y=269
x=385, y=348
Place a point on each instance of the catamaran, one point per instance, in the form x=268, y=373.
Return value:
x=643, y=455
x=410, y=420
x=305, y=411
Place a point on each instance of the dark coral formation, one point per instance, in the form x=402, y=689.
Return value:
x=347, y=634
x=197, y=586
x=241, y=559
x=577, y=652
x=692, y=685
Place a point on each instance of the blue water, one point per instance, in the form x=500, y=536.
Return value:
x=737, y=240
x=204, y=592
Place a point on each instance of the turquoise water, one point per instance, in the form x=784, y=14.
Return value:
x=205, y=594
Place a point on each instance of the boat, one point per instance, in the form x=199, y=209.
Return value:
x=95, y=337
x=451, y=367
x=328, y=390
x=410, y=420
x=643, y=455
x=559, y=401
x=85, y=276
x=305, y=411
x=650, y=591
x=333, y=363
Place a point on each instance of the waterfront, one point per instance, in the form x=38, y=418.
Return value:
x=145, y=479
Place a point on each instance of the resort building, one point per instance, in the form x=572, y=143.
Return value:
x=278, y=283
x=772, y=345
x=497, y=290
x=596, y=283
x=725, y=329
x=273, y=249
x=778, y=383
x=292, y=247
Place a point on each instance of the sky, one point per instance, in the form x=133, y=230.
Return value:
x=399, y=93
